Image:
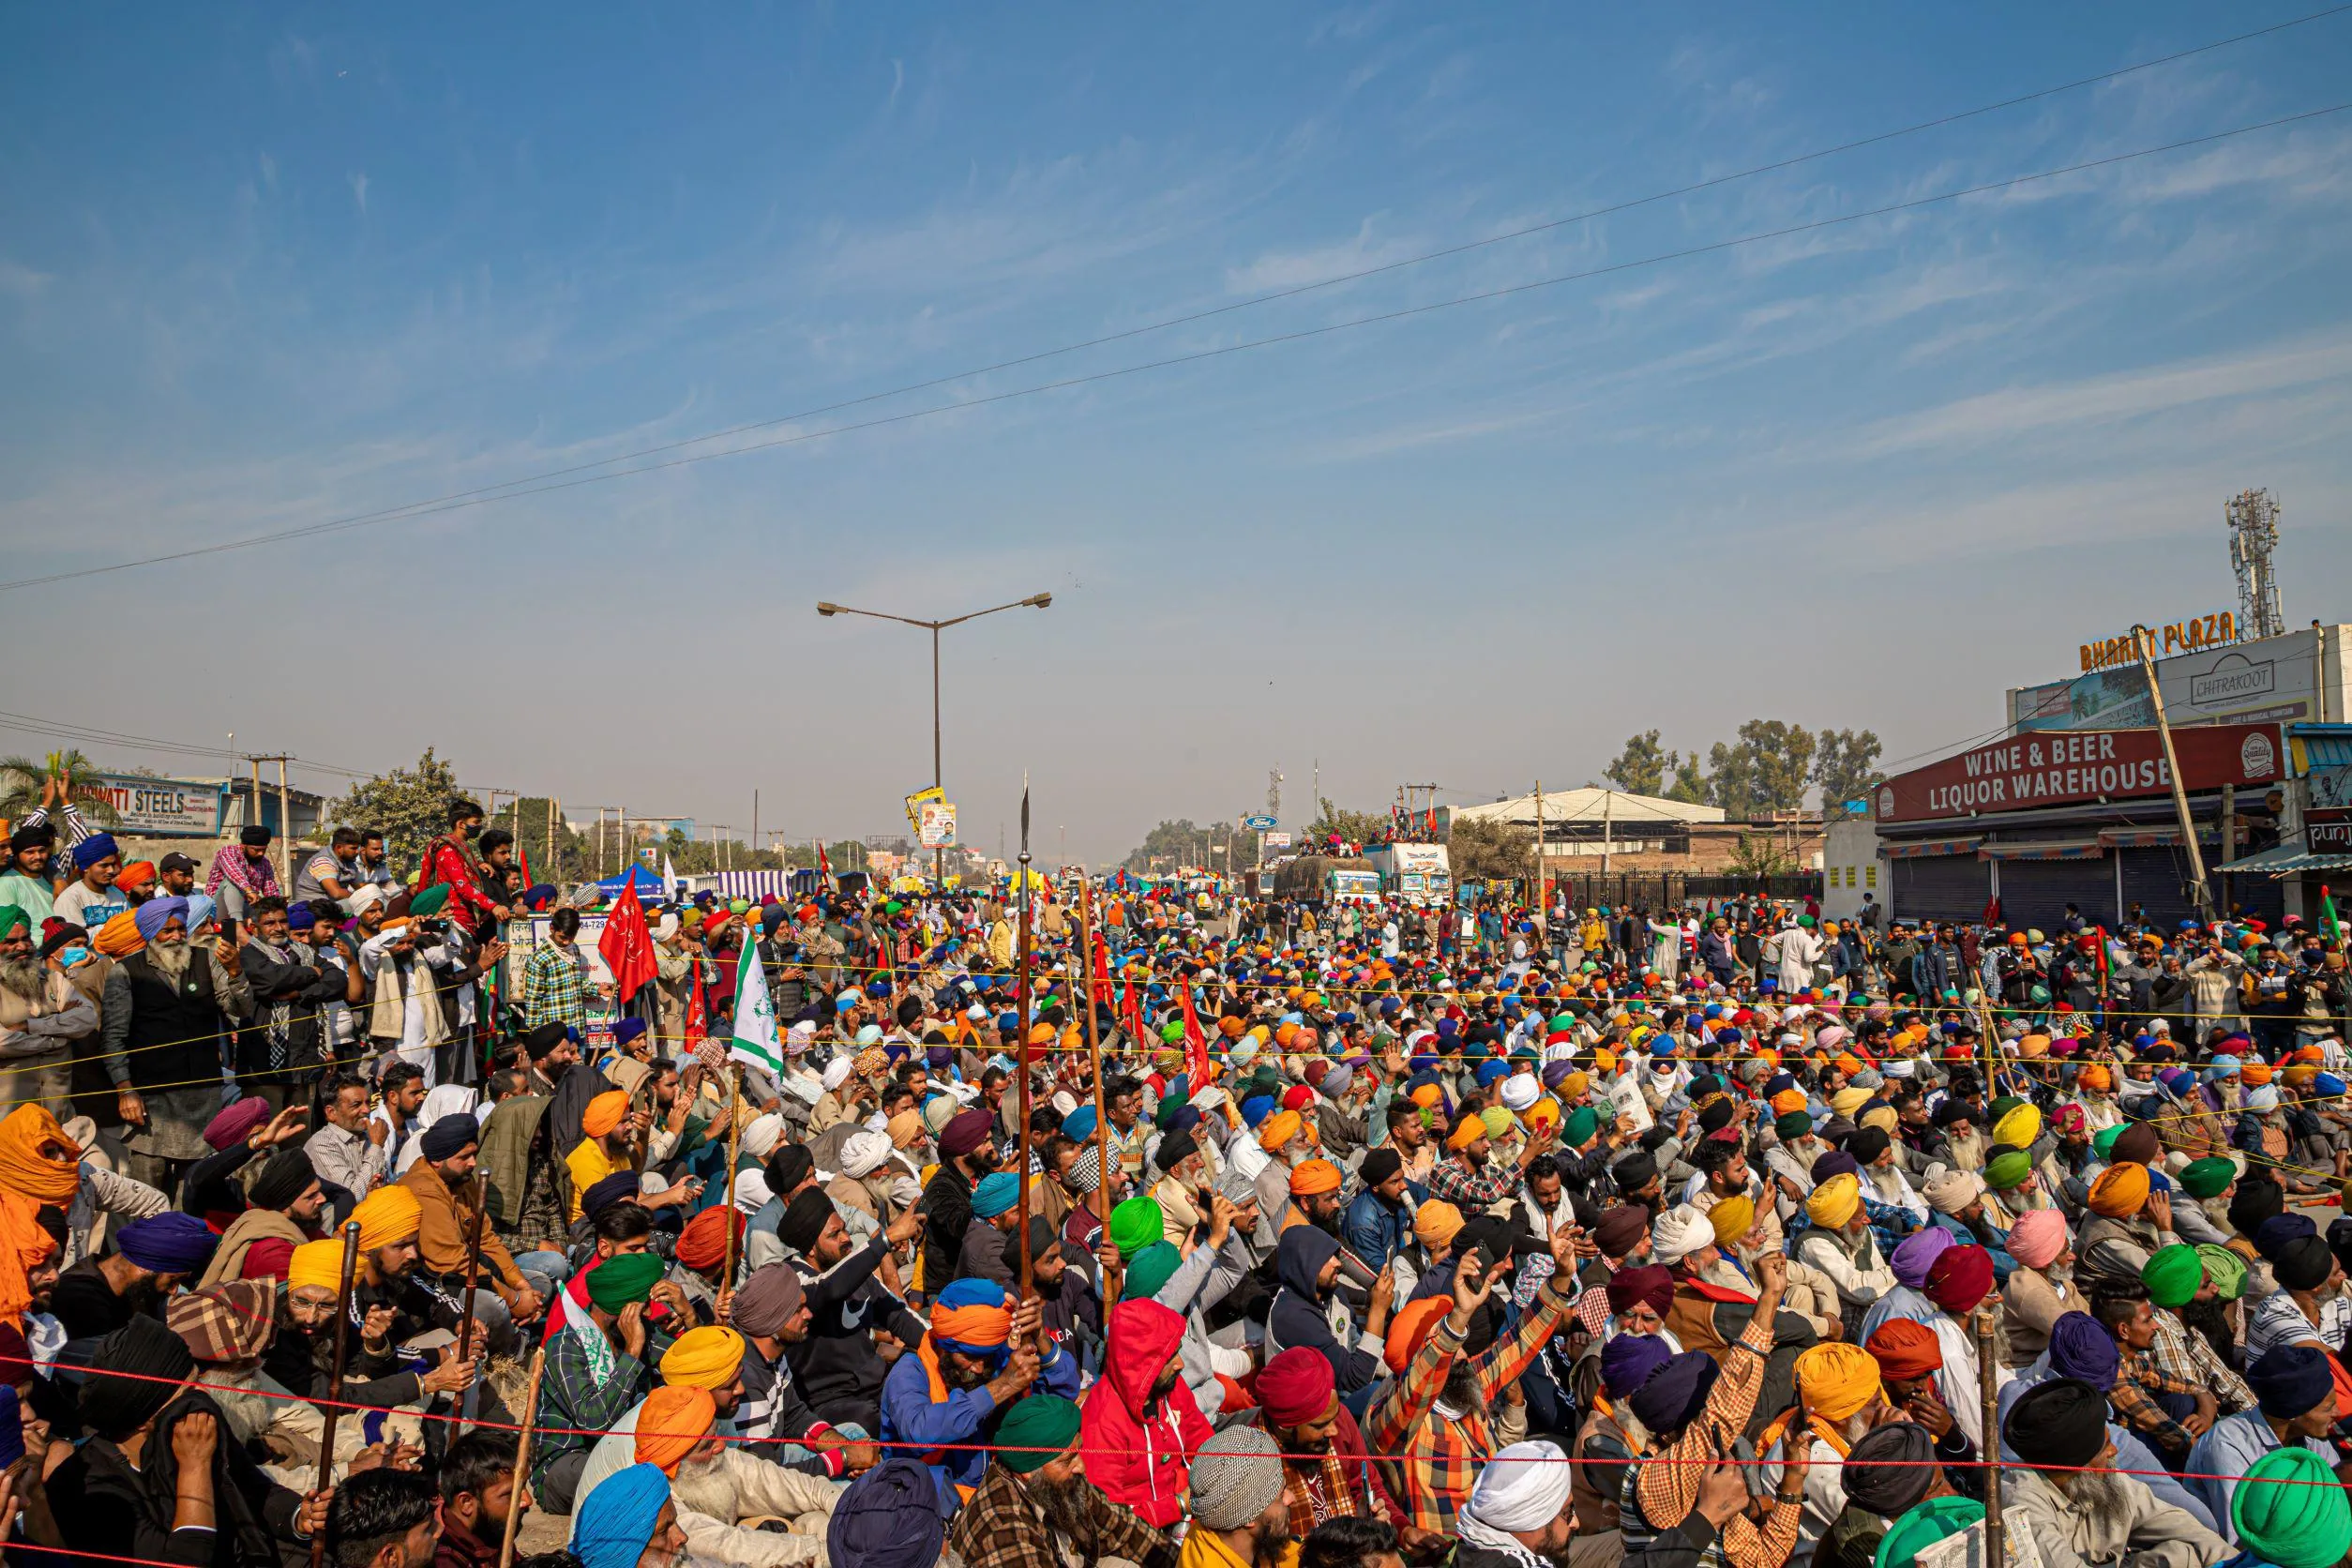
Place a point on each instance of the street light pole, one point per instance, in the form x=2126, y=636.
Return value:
x=938, y=776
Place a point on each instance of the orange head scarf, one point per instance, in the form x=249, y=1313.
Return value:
x=28, y=1180
x=673, y=1421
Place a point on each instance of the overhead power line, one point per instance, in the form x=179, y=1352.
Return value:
x=478, y=498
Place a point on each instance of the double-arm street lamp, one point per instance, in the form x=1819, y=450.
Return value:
x=938, y=780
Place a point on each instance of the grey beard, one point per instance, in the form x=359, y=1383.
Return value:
x=2102, y=1492
x=171, y=958
x=23, y=977
x=1461, y=1391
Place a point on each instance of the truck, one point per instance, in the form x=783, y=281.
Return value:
x=1321, y=878
x=1416, y=873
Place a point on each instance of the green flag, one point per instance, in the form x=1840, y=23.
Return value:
x=2329, y=926
x=755, y=1041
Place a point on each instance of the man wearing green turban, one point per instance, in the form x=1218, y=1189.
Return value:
x=1033, y=1505
x=1135, y=1224
x=2008, y=1171
x=599, y=1365
x=2289, y=1510
x=2225, y=1269
x=2207, y=1178
x=1579, y=1129
x=2173, y=1275
x=1149, y=1270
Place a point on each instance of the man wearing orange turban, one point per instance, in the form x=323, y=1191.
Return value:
x=1313, y=1196
x=672, y=1423
x=605, y=1146
x=1907, y=1355
x=40, y=1168
x=2118, y=1193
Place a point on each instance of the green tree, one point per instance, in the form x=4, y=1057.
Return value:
x=1765, y=770
x=1846, y=767
x=1182, y=842
x=1757, y=855
x=24, y=784
x=1642, y=768
x=1690, y=782
x=410, y=807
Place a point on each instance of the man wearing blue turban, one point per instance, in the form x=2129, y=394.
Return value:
x=627, y=1515
x=92, y=899
x=160, y=1021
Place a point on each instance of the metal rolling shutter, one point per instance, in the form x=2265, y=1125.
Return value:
x=2153, y=877
x=1940, y=887
x=2035, y=893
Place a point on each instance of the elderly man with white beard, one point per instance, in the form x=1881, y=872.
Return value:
x=41, y=1015
x=161, y=1020
x=2079, y=1509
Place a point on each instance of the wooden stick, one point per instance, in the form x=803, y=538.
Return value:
x=1094, y=1050
x=1994, y=1542
x=473, y=1271
x=735, y=1144
x=523, y=1457
x=335, y=1378
x=1022, y=1058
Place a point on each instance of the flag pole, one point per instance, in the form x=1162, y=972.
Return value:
x=1021, y=1051
x=734, y=1146
x=335, y=1381
x=1094, y=1050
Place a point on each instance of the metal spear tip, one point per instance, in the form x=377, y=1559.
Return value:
x=824, y=609
x=1038, y=600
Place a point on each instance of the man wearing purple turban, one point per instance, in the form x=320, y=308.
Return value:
x=160, y=1025
x=1910, y=1260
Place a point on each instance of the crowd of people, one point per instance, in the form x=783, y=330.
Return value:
x=1154, y=1228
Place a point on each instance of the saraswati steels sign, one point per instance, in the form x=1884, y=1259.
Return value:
x=2073, y=766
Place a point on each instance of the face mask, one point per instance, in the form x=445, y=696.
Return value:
x=72, y=956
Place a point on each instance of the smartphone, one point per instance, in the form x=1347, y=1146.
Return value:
x=229, y=930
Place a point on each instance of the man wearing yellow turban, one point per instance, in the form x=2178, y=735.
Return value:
x=607, y=1145
x=1841, y=1395
x=1838, y=1251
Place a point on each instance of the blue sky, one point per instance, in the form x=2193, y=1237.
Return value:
x=261, y=267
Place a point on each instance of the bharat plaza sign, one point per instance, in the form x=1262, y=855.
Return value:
x=2072, y=766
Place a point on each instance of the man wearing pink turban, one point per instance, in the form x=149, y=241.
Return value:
x=2035, y=1295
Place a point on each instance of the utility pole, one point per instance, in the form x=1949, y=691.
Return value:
x=285, y=817
x=2144, y=639
x=1542, y=879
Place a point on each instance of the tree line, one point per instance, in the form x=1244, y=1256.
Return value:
x=1766, y=768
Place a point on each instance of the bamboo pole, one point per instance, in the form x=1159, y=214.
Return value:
x=523, y=1457
x=1094, y=1050
x=473, y=1271
x=734, y=1145
x=335, y=1378
x=1995, y=1554
x=1020, y=1055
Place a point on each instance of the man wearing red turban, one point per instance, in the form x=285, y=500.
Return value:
x=1326, y=1470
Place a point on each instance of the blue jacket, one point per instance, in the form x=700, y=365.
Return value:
x=966, y=1416
x=1373, y=1230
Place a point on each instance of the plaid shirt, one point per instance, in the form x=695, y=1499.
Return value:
x=1889, y=1223
x=1471, y=1192
x=572, y=1396
x=2188, y=1357
x=553, y=988
x=1440, y=1458
x=2137, y=1385
x=1001, y=1528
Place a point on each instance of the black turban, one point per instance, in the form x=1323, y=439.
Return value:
x=2303, y=1264
x=804, y=1219
x=1955, y=1110
x=1634, y=1171
x=2061, y=1422
x=33, y=836
x=544, y=1039
x=1175, y=1148
x=788, y=1167
x=1867, y=1145
x=1041, y=1236
x=1383, y=1163
x=2289, y=1380
x=1718, y=1115
x=286, y=1176
x=1675, y=1393
x=114, y=1408
x=449, y=1137
x=1890, y=1470
x=2257, y=1198
x=616, y=1188
x=253, y=837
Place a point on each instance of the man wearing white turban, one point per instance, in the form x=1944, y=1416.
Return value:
x=1520, y=1514
x=862, y=1192
x=1519, y=1092
x=1681, y=1232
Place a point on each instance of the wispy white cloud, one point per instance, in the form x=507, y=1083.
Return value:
x=22, y=281
x=2023, y=410
x=1289, y=270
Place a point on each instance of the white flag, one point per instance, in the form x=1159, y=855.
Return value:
x=755, y=1040
x=669, y=880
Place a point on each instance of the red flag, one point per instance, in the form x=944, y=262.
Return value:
x=1196, y=1047
x=824, y=866
x=1131, y=1017
x=697, y=1018
x=628, y=946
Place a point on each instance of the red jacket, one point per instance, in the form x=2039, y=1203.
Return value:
x=1141, y=1461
